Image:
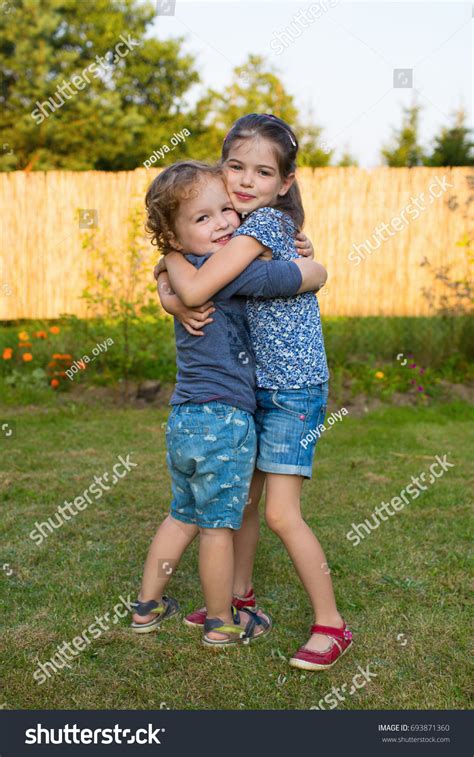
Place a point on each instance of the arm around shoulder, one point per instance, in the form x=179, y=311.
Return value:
x=314, y=275
x=195, y=286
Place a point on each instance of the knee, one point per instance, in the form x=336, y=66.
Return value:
x=278, y=521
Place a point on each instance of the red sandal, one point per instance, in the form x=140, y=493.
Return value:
x=198, y=617
x=306, y=659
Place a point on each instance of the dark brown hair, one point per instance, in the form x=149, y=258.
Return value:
x=167, y=190
x=285, y=143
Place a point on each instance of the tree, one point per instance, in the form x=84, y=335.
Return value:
x=255, y=88
x=82, y=87
x=347, y=159
x=312, y=150
x=453, y=146
x=406, y=150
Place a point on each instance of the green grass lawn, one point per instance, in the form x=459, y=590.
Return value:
x=403, y=590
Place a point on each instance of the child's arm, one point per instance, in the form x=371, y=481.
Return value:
x=192, y=319
x=196, y=285
x=314, y=275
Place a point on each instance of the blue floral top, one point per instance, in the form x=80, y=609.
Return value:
x=286, y=331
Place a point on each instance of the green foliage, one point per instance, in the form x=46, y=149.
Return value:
x=409, y=352
x=34, y=356
x=453, y=146
x=256, y=87
x=124, y=108
x=406, y=150
x=35, y=378
x=117, y=119
x=346, y=160
x=118, y=291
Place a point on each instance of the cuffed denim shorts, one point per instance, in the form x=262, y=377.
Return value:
x=211, y=457
x=283, y=419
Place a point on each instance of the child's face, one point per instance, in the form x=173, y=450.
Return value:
x=252, y=176
x=205, y=223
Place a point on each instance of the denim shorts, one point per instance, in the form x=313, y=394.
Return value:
x=283, y=419
x=211, y=459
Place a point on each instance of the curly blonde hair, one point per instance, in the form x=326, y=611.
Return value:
x=167, y=190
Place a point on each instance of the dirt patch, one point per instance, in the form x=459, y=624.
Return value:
x=141, y=395
x=120, y=395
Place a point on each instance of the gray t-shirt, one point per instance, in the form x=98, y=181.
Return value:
x=221, y=364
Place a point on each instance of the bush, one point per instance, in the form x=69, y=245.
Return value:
x=377, y=355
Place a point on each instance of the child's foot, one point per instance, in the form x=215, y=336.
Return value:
x=246, y=626
x=319, y=642
x=198, y=617
x=148, y=615
x=338, y=641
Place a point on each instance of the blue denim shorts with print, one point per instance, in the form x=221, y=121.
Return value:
x=211, y=459
x=283, y=419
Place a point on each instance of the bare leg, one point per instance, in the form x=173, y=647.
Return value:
x=168, y=546
x=216, y=569
x=283, y=515
x=246, y=539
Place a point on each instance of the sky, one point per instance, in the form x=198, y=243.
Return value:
x=338, y=60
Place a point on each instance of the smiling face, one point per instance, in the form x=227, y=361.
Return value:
x=205, y=222
x=252, y=175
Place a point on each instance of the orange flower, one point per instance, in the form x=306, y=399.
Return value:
x=27, y=357
x=23, y=336
x=54, y=383
x=380, y=375
x=55, y=329
x=41, y=335
x=66, y=357
x=52, y=364
x=24, y=344
x=57, y=356
x=7, y=353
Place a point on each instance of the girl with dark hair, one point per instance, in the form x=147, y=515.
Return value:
x=259, y=163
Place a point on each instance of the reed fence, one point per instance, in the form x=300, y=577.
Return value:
x=350, y=212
